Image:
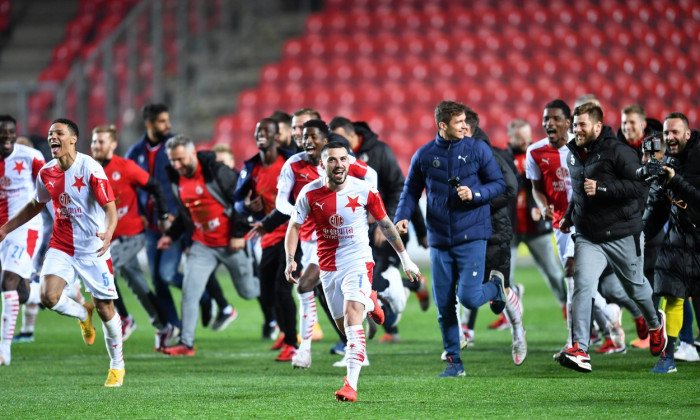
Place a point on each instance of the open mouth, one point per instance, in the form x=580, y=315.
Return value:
x=55, y=147
x=551, y=132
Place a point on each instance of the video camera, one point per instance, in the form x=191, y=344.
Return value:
x=652, y=170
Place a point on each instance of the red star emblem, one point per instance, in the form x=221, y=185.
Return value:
x=19, y=167
x=353, y=203
x=79, y=183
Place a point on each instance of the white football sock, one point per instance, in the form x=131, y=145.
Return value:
x=29, y=312
x=356, y=352
x=308, y=318
x=113, y=340
x=69, y=307
x=10, y=309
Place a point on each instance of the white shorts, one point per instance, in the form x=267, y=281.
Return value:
x=17, y=251
x=353, y=283
x=96, y=272
x=565, y=245
x=308, y=253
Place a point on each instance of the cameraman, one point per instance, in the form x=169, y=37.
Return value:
x=675, y=197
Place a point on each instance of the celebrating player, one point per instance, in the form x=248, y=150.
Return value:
x=85, y=217
x=338, y=206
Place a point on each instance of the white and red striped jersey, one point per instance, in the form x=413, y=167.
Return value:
x=298, y=172
x=340, y=220
x=548, y=164
x=78, y=195
x=18, y=174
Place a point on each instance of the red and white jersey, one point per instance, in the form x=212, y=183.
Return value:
x=298, y=172
x=78, y=195
x=340, y=220
x=548, y=164
x=18, y=173
x=125, y=176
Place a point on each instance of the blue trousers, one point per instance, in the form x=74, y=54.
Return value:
x=686, y=334
x=163, y=266
x=458, y=273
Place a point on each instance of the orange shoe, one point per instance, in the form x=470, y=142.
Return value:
x=423, y=295
x=346, y=393
x=86, y=327
x=278, y=343
x=286, y=354
x=501, y=323
x=179, y=350
x=317, y=332
x=641, y=344
x=378, y=313
x=390, y=338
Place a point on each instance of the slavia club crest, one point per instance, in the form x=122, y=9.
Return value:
x=336, y=220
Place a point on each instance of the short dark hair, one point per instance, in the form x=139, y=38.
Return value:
x=8, y=118
x=593, y=111
x=558, y=103
x=282, y=118
x=272, y=121
x=73, y=127
x=680, y=115
x=150, y=112
x=341, y=122
x=322, y=127
x=634, y=109
x=333, y=145
x=445, y=110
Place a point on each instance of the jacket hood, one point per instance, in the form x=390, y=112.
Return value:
x=480, y=134
x=369, y=137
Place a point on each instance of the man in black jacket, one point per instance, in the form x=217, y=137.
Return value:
x=606, y=210
x=204, y=191
x=675, y=198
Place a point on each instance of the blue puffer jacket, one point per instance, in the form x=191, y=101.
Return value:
x=137, y=153
x=450, y=220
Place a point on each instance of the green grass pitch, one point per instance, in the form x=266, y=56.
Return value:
x=234, y=375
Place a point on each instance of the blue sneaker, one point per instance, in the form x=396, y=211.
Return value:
x=498, y=304
x=453, y=368
x=665, y=365
x=23, y=338
x=339, y=348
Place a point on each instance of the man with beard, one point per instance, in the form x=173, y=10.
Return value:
x=298, y=119
x=675, y=198
x=149, y=154
x=255, y=195
x=606, y=210
x=284, y=121
x=337, y=207
x=387, y=278
x=203, y=188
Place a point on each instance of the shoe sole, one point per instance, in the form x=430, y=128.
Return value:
x=225, y=324
x=573, y=364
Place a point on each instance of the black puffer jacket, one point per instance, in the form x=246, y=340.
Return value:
x=390, y=178
x=684, y=189
x=615, y=211
x=502, y=206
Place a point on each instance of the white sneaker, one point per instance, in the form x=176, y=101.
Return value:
x=344, y=361
x=463, y=343
x=395, y=295
x=519, y=348
x=302, y=359
x=617, y=333
x=4, y=356
x=687, y=353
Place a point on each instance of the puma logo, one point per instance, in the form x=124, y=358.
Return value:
x=51, y=183
x=306, y=177
x=545, y=160
x=462, y=158
x=320, y=205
